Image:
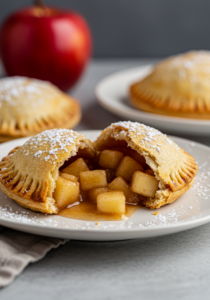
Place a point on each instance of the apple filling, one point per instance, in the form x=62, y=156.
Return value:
x=110, y=181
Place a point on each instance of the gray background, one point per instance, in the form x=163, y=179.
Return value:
x=138, y=28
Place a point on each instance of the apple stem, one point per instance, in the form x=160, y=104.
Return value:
x=41, y=9
x=39, y=3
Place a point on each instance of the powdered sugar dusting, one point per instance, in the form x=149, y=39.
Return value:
x=21, y=90
x=149, y=135
x=201, y=185
x=188, y=66
x=7, y=212
x=51, y=142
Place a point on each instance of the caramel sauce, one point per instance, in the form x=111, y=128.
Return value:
x=87, y=211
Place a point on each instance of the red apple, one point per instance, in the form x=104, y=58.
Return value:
x=45, y=43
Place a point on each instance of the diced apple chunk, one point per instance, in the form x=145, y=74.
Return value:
x=110, y=159
x=127, y=167
x=76, y=167
x=66, y=192
x=150, y=172
x=127, y=151
x=92, y=194
x=144, y=184
x=69, y=177
x=120, y=184
x=111, y=202
x=92, y=179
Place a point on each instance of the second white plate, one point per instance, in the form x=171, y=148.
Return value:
x=112, y=94
x=191, y=210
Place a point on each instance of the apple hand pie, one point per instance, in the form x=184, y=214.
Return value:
x=177, y=86
x=29, y=106
x=128, y=164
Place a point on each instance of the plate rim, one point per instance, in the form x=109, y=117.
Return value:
x=158, y=230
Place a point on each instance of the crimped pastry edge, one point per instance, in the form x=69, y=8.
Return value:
x=148, y=101
x=69, y=118
x=45, y=207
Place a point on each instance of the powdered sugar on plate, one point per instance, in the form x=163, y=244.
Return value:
x=7, y=212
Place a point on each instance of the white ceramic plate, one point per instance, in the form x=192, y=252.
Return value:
x=189, y=211
x=112, y=94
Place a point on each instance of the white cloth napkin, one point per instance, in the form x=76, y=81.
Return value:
x=18, y=249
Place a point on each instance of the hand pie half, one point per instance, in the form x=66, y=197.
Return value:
x=28, y=174
x=29, y=106
x=177, y=86
x=174, y=169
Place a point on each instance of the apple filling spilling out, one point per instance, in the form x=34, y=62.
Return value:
x=108, y=186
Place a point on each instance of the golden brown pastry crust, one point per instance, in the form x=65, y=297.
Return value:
x=29, y=106
x=28, y=174
x=177, y=86
x=173, y=167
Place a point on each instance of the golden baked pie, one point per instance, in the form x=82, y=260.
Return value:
x=128, y=164
x=29, y=106
x=177, y=86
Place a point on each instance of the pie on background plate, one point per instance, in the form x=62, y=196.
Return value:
x=128, y=164
x=29, y=106
x=177, y=86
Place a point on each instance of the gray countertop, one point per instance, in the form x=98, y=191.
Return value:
x=169, y=267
